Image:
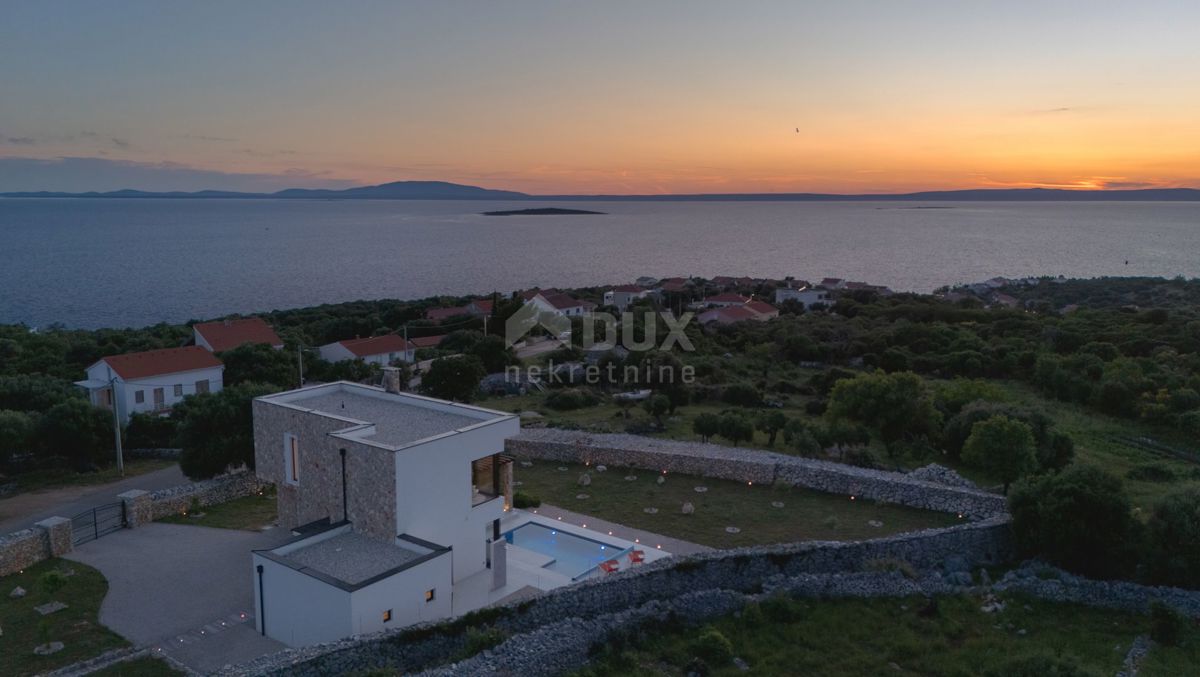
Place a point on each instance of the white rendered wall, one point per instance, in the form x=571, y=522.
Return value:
x=301, y=610
x=404, y=594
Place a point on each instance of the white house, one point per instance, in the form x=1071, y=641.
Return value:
x=151, y=381
x=402, y=496
x=561, y=304
x=624, y=295
x=381, y=350
x=805, y=296
x=225, y=335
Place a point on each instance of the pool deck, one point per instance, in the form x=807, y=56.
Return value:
x=603, y=529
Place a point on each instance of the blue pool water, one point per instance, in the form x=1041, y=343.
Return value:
x=573, y=555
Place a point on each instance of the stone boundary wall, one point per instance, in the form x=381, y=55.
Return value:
x=752, y=465
x=744, y=570
x=175, y=500
x=22, y=549
x=1050, y=583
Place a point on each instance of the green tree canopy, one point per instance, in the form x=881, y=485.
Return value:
x=1002, y=447
x=706, y=425
x=260, y=363
x=16, y=434
x=736, y=428
x=216, y=430
x=897, y=406
x=76, y=430
x=1173, y=540
x=454, y=378
x=1080, y=519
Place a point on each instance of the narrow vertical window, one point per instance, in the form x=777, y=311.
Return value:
x=291, y=459
x=178, y=390
x=139, y=396
x=202, y=386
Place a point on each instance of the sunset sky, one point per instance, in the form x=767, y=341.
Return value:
x=600, y=97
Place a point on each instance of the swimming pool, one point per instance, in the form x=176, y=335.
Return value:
x=573, y=555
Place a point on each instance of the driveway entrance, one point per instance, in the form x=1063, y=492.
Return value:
x=186, y=589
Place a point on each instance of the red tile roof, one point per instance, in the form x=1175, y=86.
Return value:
x=444, y=313
x=376, y=345
x=427, y=341
x=762, y=308
x=728, y=315
x=229, y=334
x=483, y=305
x=726, y=298
x=629, y=288
x=563, y=301
x=159, y=362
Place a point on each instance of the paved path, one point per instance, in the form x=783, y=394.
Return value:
x=24, y=510
x=650, y=539
x=185, y=590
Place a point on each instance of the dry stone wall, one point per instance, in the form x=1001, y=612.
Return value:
x=753, y=465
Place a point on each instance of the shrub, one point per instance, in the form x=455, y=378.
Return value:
x=1079, y=519
x=706, y=425
x=480, y=640
x=52, y=581
x=1151, y=472
x=1166, y=624
x=525, y=501
x=1173, y=540
x=713, y=647
x=148, y=431
x=571, y=398
x=741, y=395
x=1003, y=447
x=736, y=428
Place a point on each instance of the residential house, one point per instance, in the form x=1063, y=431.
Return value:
x=759, y=311
x=152, y=381
x=674, y=285
x=397, y=501
x=228, y=334
x=381, y=350
x=624, y=295
x=832, y=283
x=426, y=341
x=559, y=303
x=721, y=301
x=805, y=296
x=476, y=308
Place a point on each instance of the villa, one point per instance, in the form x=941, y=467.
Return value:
x=805, y=296
x=558, y=303
x=229, y=334
x=381, y=350
x=402, y=510
x=152, y=381
x=622, y=296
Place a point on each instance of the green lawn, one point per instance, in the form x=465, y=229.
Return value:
x=138, y=667
x=77, y=626
x=849, y=638
x=251, y=513
x=55, y=478
x=1097, y=436
x=805, y=515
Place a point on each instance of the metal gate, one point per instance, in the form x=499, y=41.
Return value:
x=96, y=522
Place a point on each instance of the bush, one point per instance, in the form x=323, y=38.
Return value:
x=149, y=431
x=1166, y=624
x=1173, y=540
x=1151, y=472
x=1079, y=519
x=454, y=378
x=571, y=398
x=741, y=395
x=216, y=430
x=52, y=581
x=1002, y=447
x=713, y=647
x=525, y=501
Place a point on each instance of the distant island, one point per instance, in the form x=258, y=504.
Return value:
x=541, y=211
x=442, y=190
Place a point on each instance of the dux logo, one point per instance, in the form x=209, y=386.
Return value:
x=600, y=330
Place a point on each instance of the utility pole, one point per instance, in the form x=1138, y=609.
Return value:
x=300, y=360
x=112, y=391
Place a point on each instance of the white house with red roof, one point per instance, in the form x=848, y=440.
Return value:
x=625, y=294
x=152, y=381
x=805, y=296
x=721, y=301
x=381, y=350
x=476, y=308
x=759, y=311
x=559, y=303
x=229, y=334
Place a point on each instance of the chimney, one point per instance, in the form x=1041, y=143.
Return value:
x=391, y=379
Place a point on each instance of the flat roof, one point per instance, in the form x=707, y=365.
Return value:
x=398, y=419
x=352, y=558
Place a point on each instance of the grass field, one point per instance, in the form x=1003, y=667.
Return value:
x=77, y=626
x=1098, y=438
x=250, y=513
x=805, y=515
x=848, y=638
